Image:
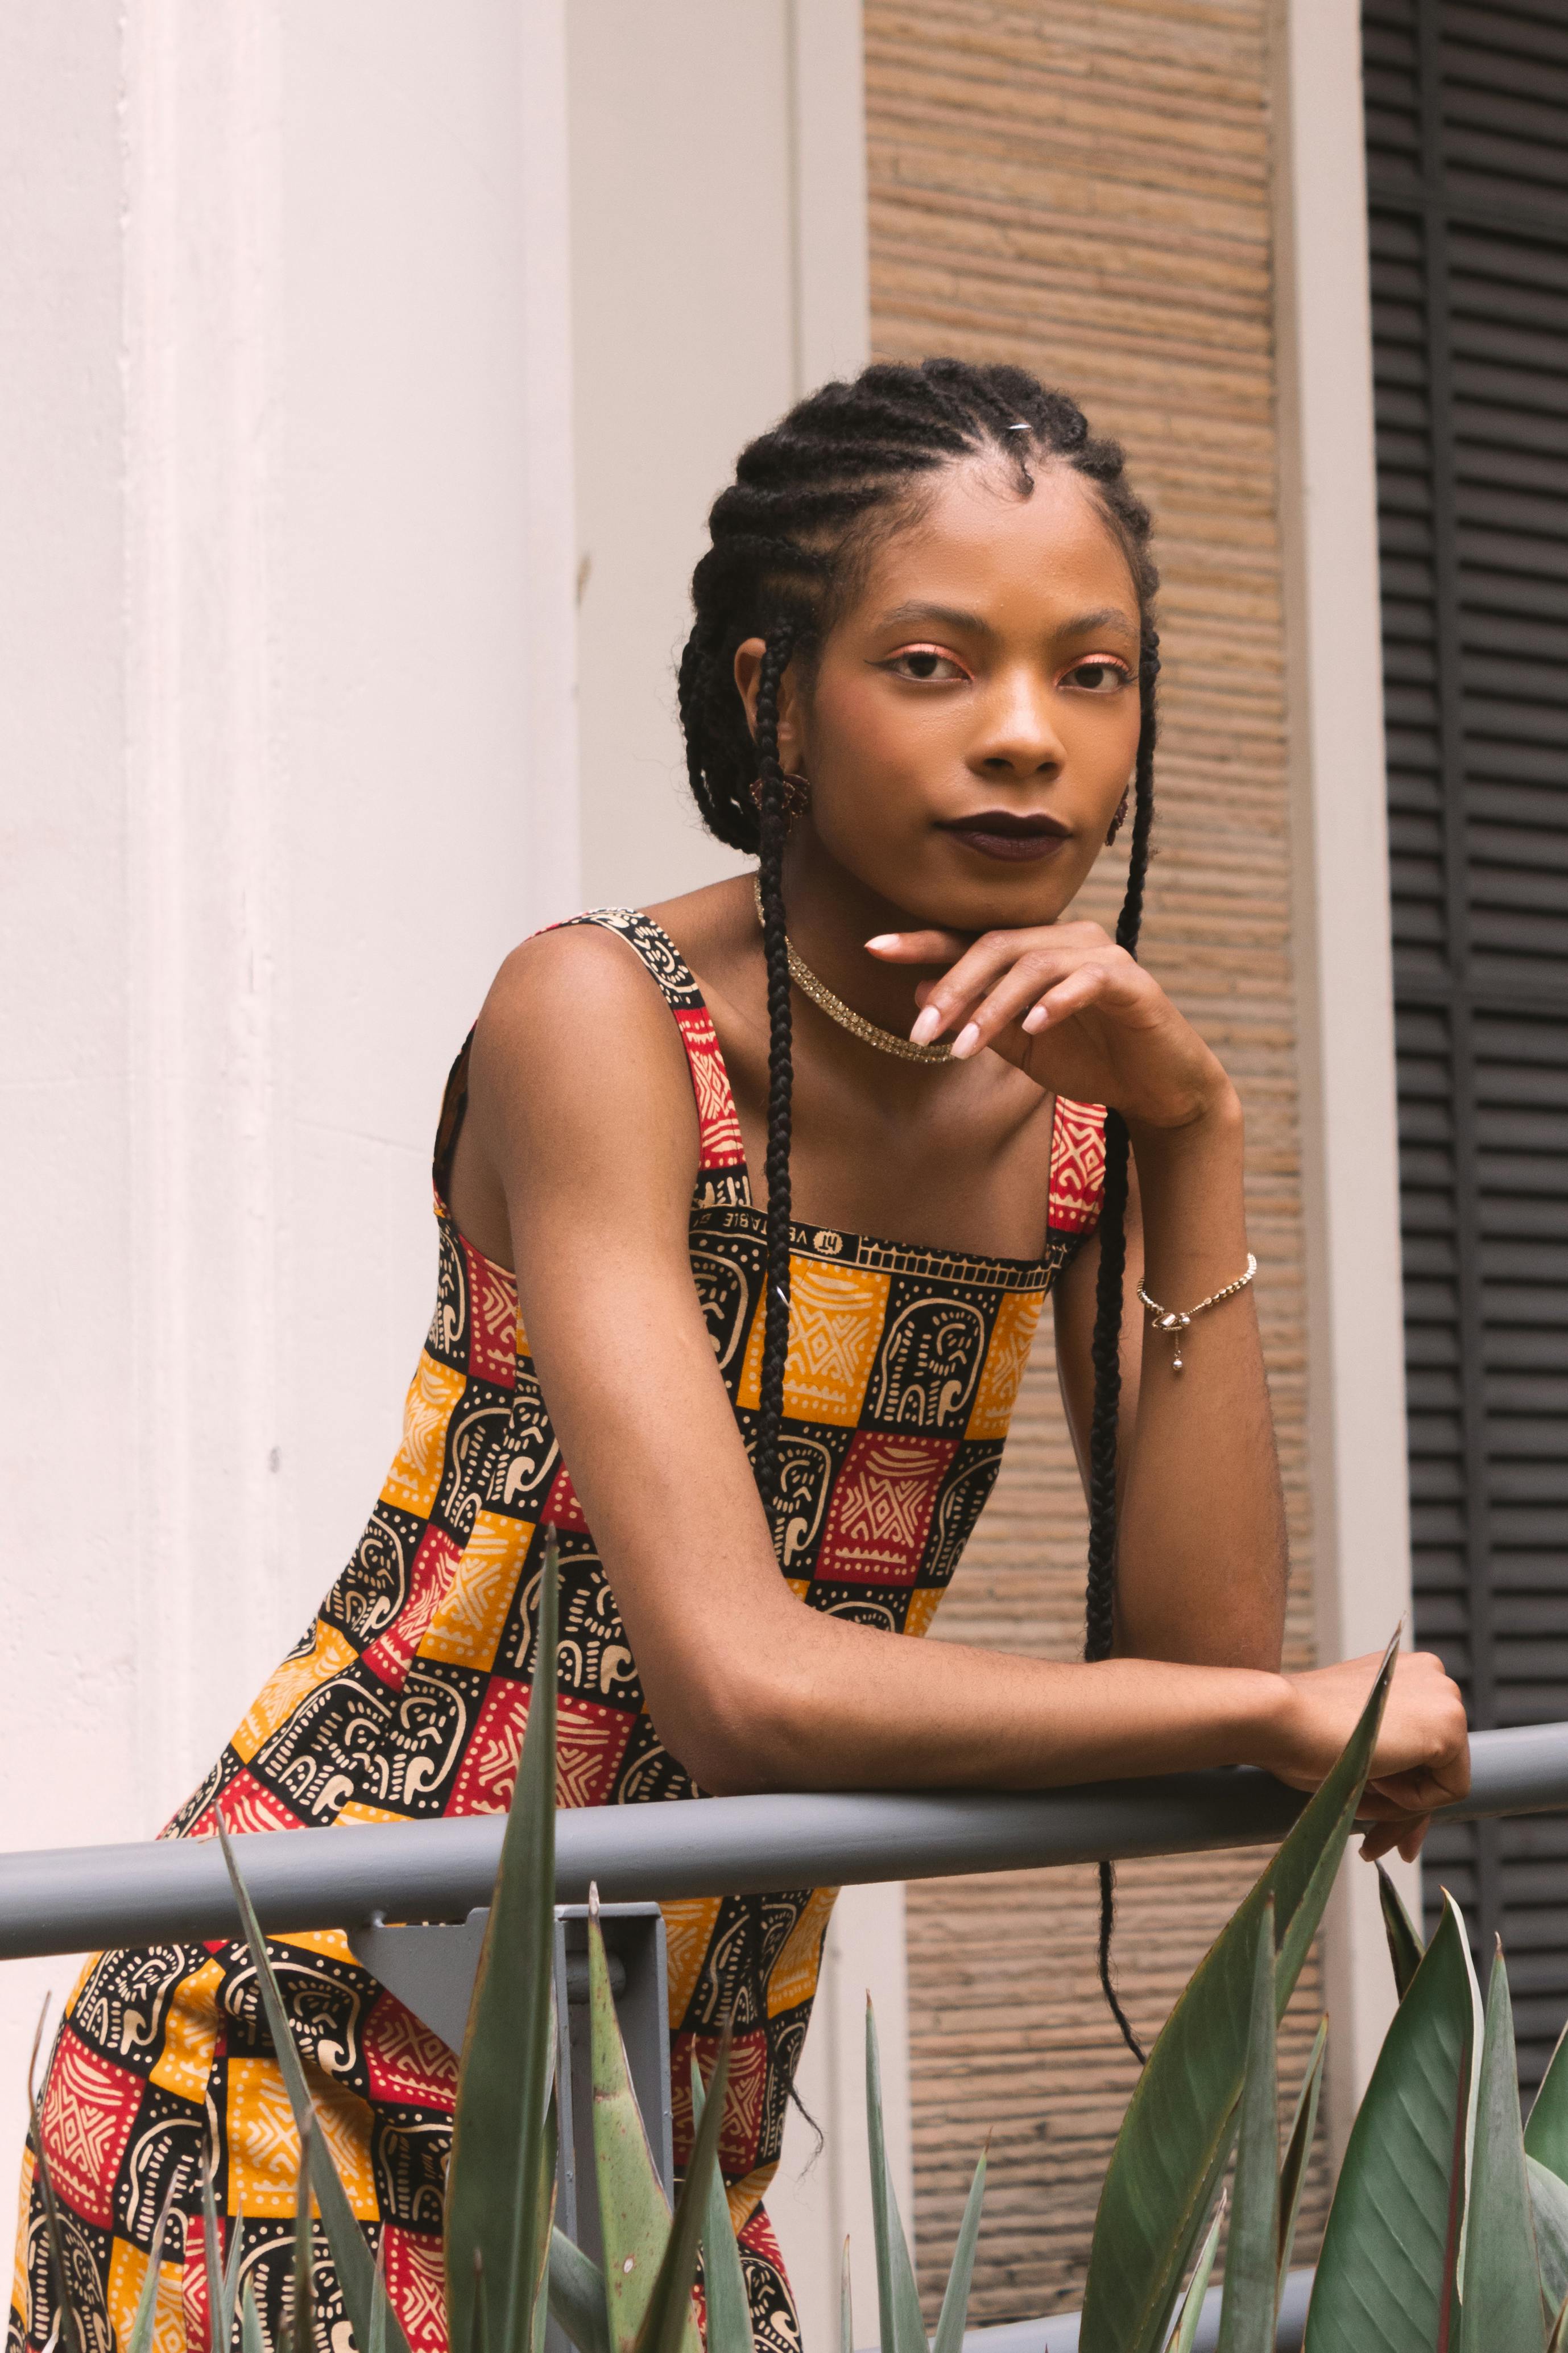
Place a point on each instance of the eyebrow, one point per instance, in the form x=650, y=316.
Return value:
x=953, y=616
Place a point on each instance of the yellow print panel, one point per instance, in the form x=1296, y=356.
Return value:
x=1012, y=1337
x=467, y=1627
x=414, y=1476
x=190, y=2035
x=836, y=1318
x=291, y=1682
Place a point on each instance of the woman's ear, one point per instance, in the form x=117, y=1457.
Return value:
x=748, y=672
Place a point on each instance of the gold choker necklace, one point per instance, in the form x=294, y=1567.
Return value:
x=886, y=1042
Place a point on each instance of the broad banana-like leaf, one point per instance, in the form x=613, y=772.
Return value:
x=634, y=2212
x=949, y=2337
x=1387, y=2277
x=846, y=2307
x=250, y=2337
x=1252, y=2253
x=577, y=2295
x=1197, y=2288
x=1501, y=2289
x=147, y=2302
x=345, y=2239
x=899, y=2304
x=1546, y=2134
x=1299, y=2150
x=723, y=2279
x=1172, y=2147
x=496, y=2177
x=1405, y=1946
x=1549, y=2210
x=667, y=2324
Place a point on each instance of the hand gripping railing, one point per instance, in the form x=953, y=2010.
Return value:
x=71, y=1899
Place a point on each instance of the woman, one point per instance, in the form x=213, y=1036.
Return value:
x=920, y=686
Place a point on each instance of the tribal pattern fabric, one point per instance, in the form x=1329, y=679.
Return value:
x=407, y=1699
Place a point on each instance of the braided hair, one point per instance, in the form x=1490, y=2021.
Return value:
x=791, y=539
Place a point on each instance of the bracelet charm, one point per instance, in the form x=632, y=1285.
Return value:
x=1175, y=1319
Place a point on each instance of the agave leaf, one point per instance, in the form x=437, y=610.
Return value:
x=300, y=2337
x=949, y=2337
x=1172, y=2146
x=212, y=2253
x=231, y=2279
x=1387, y=2275
x=669, y=2323
x=899, y=2304
x=70, y=2326
x=1198, y=2287
x=1548, y=2211
x=1405, y=1946
x=141, y=2335
x=1252, y=2254
x=846, y=2307
x=546, y=2225
x=345, y=2238
x=494, y=2180
x=250, y=2337
x=1503, y=2308
x=1546, y=2134
x=723, y=2279
x=379, y=2307
x=1559, y=2343
x=576, y=2287
x=633, y=2213
x=1298, y=2151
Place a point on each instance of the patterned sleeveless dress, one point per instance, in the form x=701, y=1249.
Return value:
x=406, y=1699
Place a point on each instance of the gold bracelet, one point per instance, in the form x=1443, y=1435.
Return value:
x=1175, y=1322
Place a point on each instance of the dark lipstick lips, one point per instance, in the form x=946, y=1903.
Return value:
x=1005, y=834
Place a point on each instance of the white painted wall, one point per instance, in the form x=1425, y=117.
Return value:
x=1344, y=972
x=286, y=612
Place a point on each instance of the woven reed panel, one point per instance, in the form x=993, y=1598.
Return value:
x=1083, y=188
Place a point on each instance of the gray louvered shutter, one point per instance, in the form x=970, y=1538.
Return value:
x=1467, y=117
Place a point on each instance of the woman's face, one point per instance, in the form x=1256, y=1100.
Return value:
x=973, y=723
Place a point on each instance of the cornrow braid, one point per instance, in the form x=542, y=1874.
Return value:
x=790, y=539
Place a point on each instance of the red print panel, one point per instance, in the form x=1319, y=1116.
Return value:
x=562, y=1509
x=880, y=1513
x=492, y=1321
x=246, y=1805
x=416, y=2286
x=89, y=2107
x=740, y=2135
x=488, y=1770
x=429, y=1578
x=406, y=2062
x=1078, y=1166
x=719, y=1143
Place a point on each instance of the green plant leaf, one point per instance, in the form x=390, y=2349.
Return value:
x=300, y=2337
x=1502, y=2292
x=845, y=2305
x=1252, y=2252
x=1172, y=2147
x=547, y=2187
x=1559, y=2341
x=1405, y=1946
x=250, y=2337
x=634, y=2212
x=724, y=2278
x=899, y=2304
x=1387, y=2275
x=949, y=2337
x=1197, y=2288
x=577, y=2295
x=1298, y=2151
x=345, y=2239
x=231, y=2280
x=141, y=2335
x=212, y=2259
x=70, y=2322
x=1546, y=2134
x=669, y=2324
x=1549, y=2210
x=379, y=2307
x=498, y=2135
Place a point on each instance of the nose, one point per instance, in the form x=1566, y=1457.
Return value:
x=1017, y=737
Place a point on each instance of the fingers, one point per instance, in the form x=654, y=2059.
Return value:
x=1406, y=1834
x=918, y=947
x=983, y=997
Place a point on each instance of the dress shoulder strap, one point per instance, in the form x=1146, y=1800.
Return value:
x=722, y=1158
x=1078, y=1166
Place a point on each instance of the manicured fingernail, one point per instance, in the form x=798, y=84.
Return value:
x=1036, y=1018
x=965, y=1044
x=883, y=940
x=927, y=1023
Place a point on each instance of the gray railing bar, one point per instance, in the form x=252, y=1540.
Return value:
x=72, y=1899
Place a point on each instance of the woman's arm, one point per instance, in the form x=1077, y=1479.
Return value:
x=582, y=1111
x=1201, y=1555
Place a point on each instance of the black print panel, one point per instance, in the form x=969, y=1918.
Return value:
x=810, y=1457
x=522, y=1473
x=163, y=2154
x=448, y=1338
x=123, y=2007
x=326, y=2001
x=882, y=1606
x=960, y=1500
x=373, y=1588
x=929, y=1361
x=648, y=1773
x=408, y=2156
x=479, y=1455
x=728, y=1271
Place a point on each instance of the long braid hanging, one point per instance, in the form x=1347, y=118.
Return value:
x=1100, y=1602
x=777, y=648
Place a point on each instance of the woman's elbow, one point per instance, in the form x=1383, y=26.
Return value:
x=737, y=1738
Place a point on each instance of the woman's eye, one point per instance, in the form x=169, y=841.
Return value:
x=1098, y=677
x=926, y=663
